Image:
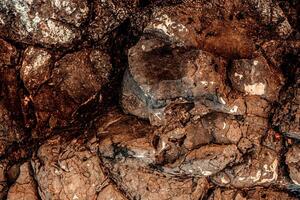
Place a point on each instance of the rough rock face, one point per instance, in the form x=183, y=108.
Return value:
x=3, y=179
x=287, y=115
x=149, y=99
x=292, y=160
x=254, y=194
x=25, y=187
x=58, y=88
x=134, y=168
x=67, y=170
x=109, y=15
x=10, y=132
x=260, y=170
x=49, y=23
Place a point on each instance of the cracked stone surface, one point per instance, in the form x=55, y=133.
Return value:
x=292, y=160
x=25, y=187
x=48, y=23
x=69, y=82
x=149, y=99
x=67, y=170
x=257, y=193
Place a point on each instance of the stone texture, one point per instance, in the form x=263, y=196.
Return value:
x=58, y=88
x=259, y=170
x=292, y=160
x=254, y=194
x=287, y=116
x=51, y=23
x=256, y=77
x=25, y=187
x=67, y=170
x=10, y=132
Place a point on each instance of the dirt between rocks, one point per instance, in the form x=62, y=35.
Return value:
x=149, y=99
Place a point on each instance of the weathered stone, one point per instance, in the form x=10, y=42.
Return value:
x=52, y=23
x=35, y=68
x=287, y=116
x=292, y=160
x=109, y=14
x=75, y=79
x=25, y=187
x=256, y=77
x=159, y=73
x=271, y=14
x=253, y=194
x=10, y=132
x=259, y=170
x=67, y=170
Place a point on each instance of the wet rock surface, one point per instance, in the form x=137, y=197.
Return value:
x=146, y=100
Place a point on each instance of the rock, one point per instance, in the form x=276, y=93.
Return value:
x=287, y=116
x=271, y=14
x=256, y=77
x=10, y=132
x=75, y=79
x=173, y=78
x=252, y=194
x=109, y=192
x=25, y=187
x=67, y=170
x=3, y=179
x=35, y=68
x=175, y=24
x=292, y=160
x=108, y=15
x=126, y=150
x=53, y=23
x=259, y=170
x=8, y=54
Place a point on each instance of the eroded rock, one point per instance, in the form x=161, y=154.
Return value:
x=51, y=23
x=25, y=187
x=67, y=170
x=58, y=89
x=259, y=170
x=256, y=77
x=253, y=194
x=292, y=160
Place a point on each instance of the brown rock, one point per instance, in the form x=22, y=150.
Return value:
x=25, y=187
x=256, y=77
x=74, y=80
x=253, y=194
x=3, y=180
x=292, y=160
x=259, y=170
x=109, y=15
x=52, y=23
x=67, y=170
x=287, y=116
x=8, y=53
x=10, y=132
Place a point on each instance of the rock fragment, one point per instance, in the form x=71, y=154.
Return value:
x=256, y=77
x=287, y=115
x=259, y=170
x=3, y=179
x=25, y=187
x=70, y=82
x=67, y=170
x=252, y=194
x=292, y=160
x=53, y=23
